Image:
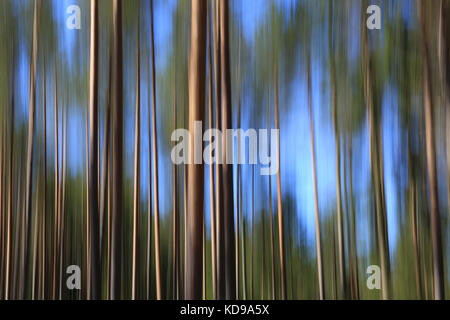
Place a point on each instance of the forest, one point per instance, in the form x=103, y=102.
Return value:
x=353, y=122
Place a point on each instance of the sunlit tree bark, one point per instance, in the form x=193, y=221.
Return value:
x=197, y=68
x=438, y=270
x=93, y=158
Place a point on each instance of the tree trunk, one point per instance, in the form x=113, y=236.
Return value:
x=219, y=185
x=93, y=159
x=438, y=270
x=176, y=222
x=376, y=165
x=211, y=167
x=227, y=169
x=316, y=200
x=155, y=162
x=272, y=246
x=149, y=206
x=280, y=204
x=342, y=278
x=10, y=183
x=105, y=183
x=196, y=113
x=30, y=146
x=136, y=201
x=117, y=143
x=352, y=203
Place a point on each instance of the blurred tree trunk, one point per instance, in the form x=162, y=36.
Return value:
x=272, y=247
x=227, y=169
x=55, y=229
x=105, y=183
x=176, y=220
x=211, y=167
x=136, y=192
x=197, y=70
x=238, y=198
x=93, y=159
x=342, y=277
x=44, y=204
x=2, y=201
x=316, y=200
x=149, y=206
x=63, y=200
x=244, y=254
x=280, y=204
x=30, y=146
x=117, y=143
x=444, y=64
x=155, y=161
x=352, y=208
x=220, y=231
x=10, y=182
x=376, y=163
x=438, y=271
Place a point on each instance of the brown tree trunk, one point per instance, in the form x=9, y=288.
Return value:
x=316, y=200
x=136, y=201
x=279, y=200
x=220, y=233
x=93, y=159
x=376, y=165
x=30, y=146
x=10, y=183
x=197, y=70
x=438, y=269
x=227, y=169
x=272, y=245
x=155, y=162
x=342, y=278
x=176, y=222
x=211, y=167
x=117, y=143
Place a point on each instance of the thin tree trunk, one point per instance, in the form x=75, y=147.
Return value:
x=197, y=68
x=35, y=242
x=176, y=224
x=117, y=143
x=93, y=160
x=10, y=183
x=219, y=185
x=105, y=184
x=352, y=204
x=211, y=167
x=316, y=200
x=30, y=146
x=136, y=201
x=244, y=254
x=280, y=204
x=342, y=278
x=438, y=270
x=44, y=204
x=149, y=206
x=155, y=162
x=227, y=169
x=272, y=246
x=376, y=166
x=63, y=206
